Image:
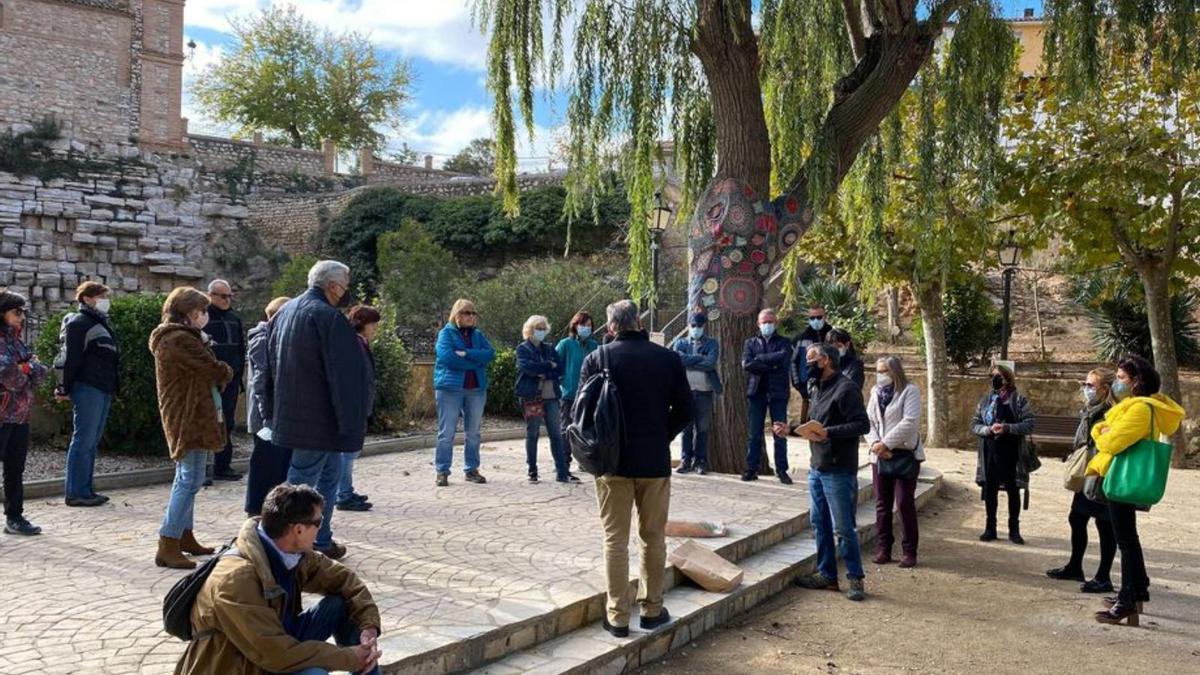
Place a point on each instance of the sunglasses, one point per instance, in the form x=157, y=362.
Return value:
x=227, y=296
x=312, y=523
x=469, y=313
x=816, y=316
x=19, y=310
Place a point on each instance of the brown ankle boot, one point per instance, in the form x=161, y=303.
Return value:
x=169, y=555
x=188, y=544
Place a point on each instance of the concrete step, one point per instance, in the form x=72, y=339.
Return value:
x=695, y=611
x=523, y=625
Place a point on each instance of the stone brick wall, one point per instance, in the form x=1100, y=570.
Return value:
x=68, y=60
x=215, y=154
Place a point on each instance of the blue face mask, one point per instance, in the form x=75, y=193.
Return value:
x=696, y=332
x=539, y=335
x=1120, y=390
x=584, y=332
x=816, y=324
x=767, y=329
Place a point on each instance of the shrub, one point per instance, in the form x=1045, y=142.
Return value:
x=972, y=325
x=133, y=427
x=1116, y=310
x=843, y=310
x=502, y=385
x=393, y=370
x=416, y=275
x=555, y=288
x=293, y=278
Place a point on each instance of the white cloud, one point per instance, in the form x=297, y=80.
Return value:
x=440, y=30
x=443, y=133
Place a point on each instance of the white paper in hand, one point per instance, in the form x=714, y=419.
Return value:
x=265, y=434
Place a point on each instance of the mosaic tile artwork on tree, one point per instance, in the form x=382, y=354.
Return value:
x=735, y=241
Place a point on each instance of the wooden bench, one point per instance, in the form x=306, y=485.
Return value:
x=1057, y=431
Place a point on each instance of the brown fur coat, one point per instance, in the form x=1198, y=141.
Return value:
x=186, y=371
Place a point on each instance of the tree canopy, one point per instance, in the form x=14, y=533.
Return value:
x=285, y=75
x=478, y=158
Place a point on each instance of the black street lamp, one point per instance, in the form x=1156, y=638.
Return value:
x=660, y=217
x=1010, y=254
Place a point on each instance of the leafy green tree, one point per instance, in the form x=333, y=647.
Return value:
x=286, y=75
x=293, y=278
x=1116, y=310
x=416, y=275
x=1114, y=173
x=478, y=158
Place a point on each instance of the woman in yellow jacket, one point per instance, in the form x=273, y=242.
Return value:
x=1137, y=392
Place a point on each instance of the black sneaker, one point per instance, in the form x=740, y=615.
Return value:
x=1096, y=586
x=358, y=498
x=103, y=498
x=817, y=582
x=856, y=592
x=616, y=631
x=650, y=623
x=567, y=478
x=1065, y=574
x=533, y=478
x=474, y=476
x=702, y=469
x=684, y=467
x=21, y=526
x=227, y=474
x=442, y=480
x=335, y=551
x=988, y=534
x=784, y=478
x=750, y=475
x=353, y=505
x=85, y=501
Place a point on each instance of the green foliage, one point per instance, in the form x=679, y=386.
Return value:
x=502, y=385
x=843, y=309
x=134, y=427
x=393, y=371
x=554, y=288
x=972, y=325
x=1116, y=309
x=284, y=74
x=477, y=159
x=466, y=226
x=416, y=275
x=30, y=153
x=293, y=278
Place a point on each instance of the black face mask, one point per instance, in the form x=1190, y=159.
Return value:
x=815, y=372
x=997, y=382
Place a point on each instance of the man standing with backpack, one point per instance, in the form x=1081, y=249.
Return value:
x=656, y=404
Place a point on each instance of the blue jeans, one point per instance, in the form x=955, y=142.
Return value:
x=695, y=435
x=833, y=495
x=758, y=417
x=346, y=484
x=329, y=617
x=551, y=419
x=91, y=412
x=189, y=474
x=450, y=406
x=321, y=469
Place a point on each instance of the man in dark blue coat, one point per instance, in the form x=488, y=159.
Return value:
x=766, y=358
x=317, y=388
x=224, y=328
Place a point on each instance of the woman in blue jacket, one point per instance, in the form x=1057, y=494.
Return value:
x=539, y=371
x=460, y=389
x=571, y=351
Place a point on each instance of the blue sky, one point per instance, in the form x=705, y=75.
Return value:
x=450, y=104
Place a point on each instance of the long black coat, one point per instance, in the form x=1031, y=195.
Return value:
x=317, y=387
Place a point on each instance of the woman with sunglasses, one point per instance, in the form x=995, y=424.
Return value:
x=460, y=388
x=20, y=372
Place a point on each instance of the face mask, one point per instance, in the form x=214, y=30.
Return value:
x=103, y=305
x=1120, y=390
x=997, y=382
x=584, y=332
x=816, y=324
x=843, y=350
x=814, y=370
x=696, y=332
x=767, y=329
x=1089, y=395
x=539, y=335
x=200, y=323
x=883, y=380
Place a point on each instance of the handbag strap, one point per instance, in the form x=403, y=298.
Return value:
x=1153, y=436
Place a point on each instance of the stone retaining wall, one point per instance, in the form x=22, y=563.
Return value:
x=216, y=154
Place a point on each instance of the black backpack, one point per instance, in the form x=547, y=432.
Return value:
x=178, y=603
x=597, y=429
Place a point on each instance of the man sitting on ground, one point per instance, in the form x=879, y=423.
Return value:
x=248, y=617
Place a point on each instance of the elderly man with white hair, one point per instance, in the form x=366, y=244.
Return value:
x=228, y=341
x=317, y=388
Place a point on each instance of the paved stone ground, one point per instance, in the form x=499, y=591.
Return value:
x=442, y=563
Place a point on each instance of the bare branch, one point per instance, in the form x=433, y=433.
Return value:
x=854, y=27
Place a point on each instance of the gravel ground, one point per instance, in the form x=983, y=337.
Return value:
x=48, y=460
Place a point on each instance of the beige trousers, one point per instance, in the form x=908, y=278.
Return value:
x=616, y=497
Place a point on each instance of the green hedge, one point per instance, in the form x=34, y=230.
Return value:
x=502, y=385
x=393, y=370
x=134, y=427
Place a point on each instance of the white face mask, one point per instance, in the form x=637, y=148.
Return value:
x=103, y=305
x=201, y=322
x=883, y=380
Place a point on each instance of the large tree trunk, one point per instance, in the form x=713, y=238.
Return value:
x=1156, y=283
x=730, y=62
x=893, y=315
x=937, y=392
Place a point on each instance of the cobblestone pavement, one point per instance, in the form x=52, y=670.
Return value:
x=85, y=597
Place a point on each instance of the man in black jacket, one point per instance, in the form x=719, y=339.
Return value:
x=657, y=404
x=838, y=420
x=815, y=333
x=765, y=359
x=224, y=328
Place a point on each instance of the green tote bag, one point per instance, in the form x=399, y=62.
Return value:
x=1139, y=475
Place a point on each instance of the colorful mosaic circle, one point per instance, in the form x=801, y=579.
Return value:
x=714, y=314
x=710, y=286
x=788, y=237
x=735, y=255
x=738, y=221
x=740, y=296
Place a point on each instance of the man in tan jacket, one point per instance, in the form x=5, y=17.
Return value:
x=248, y=619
